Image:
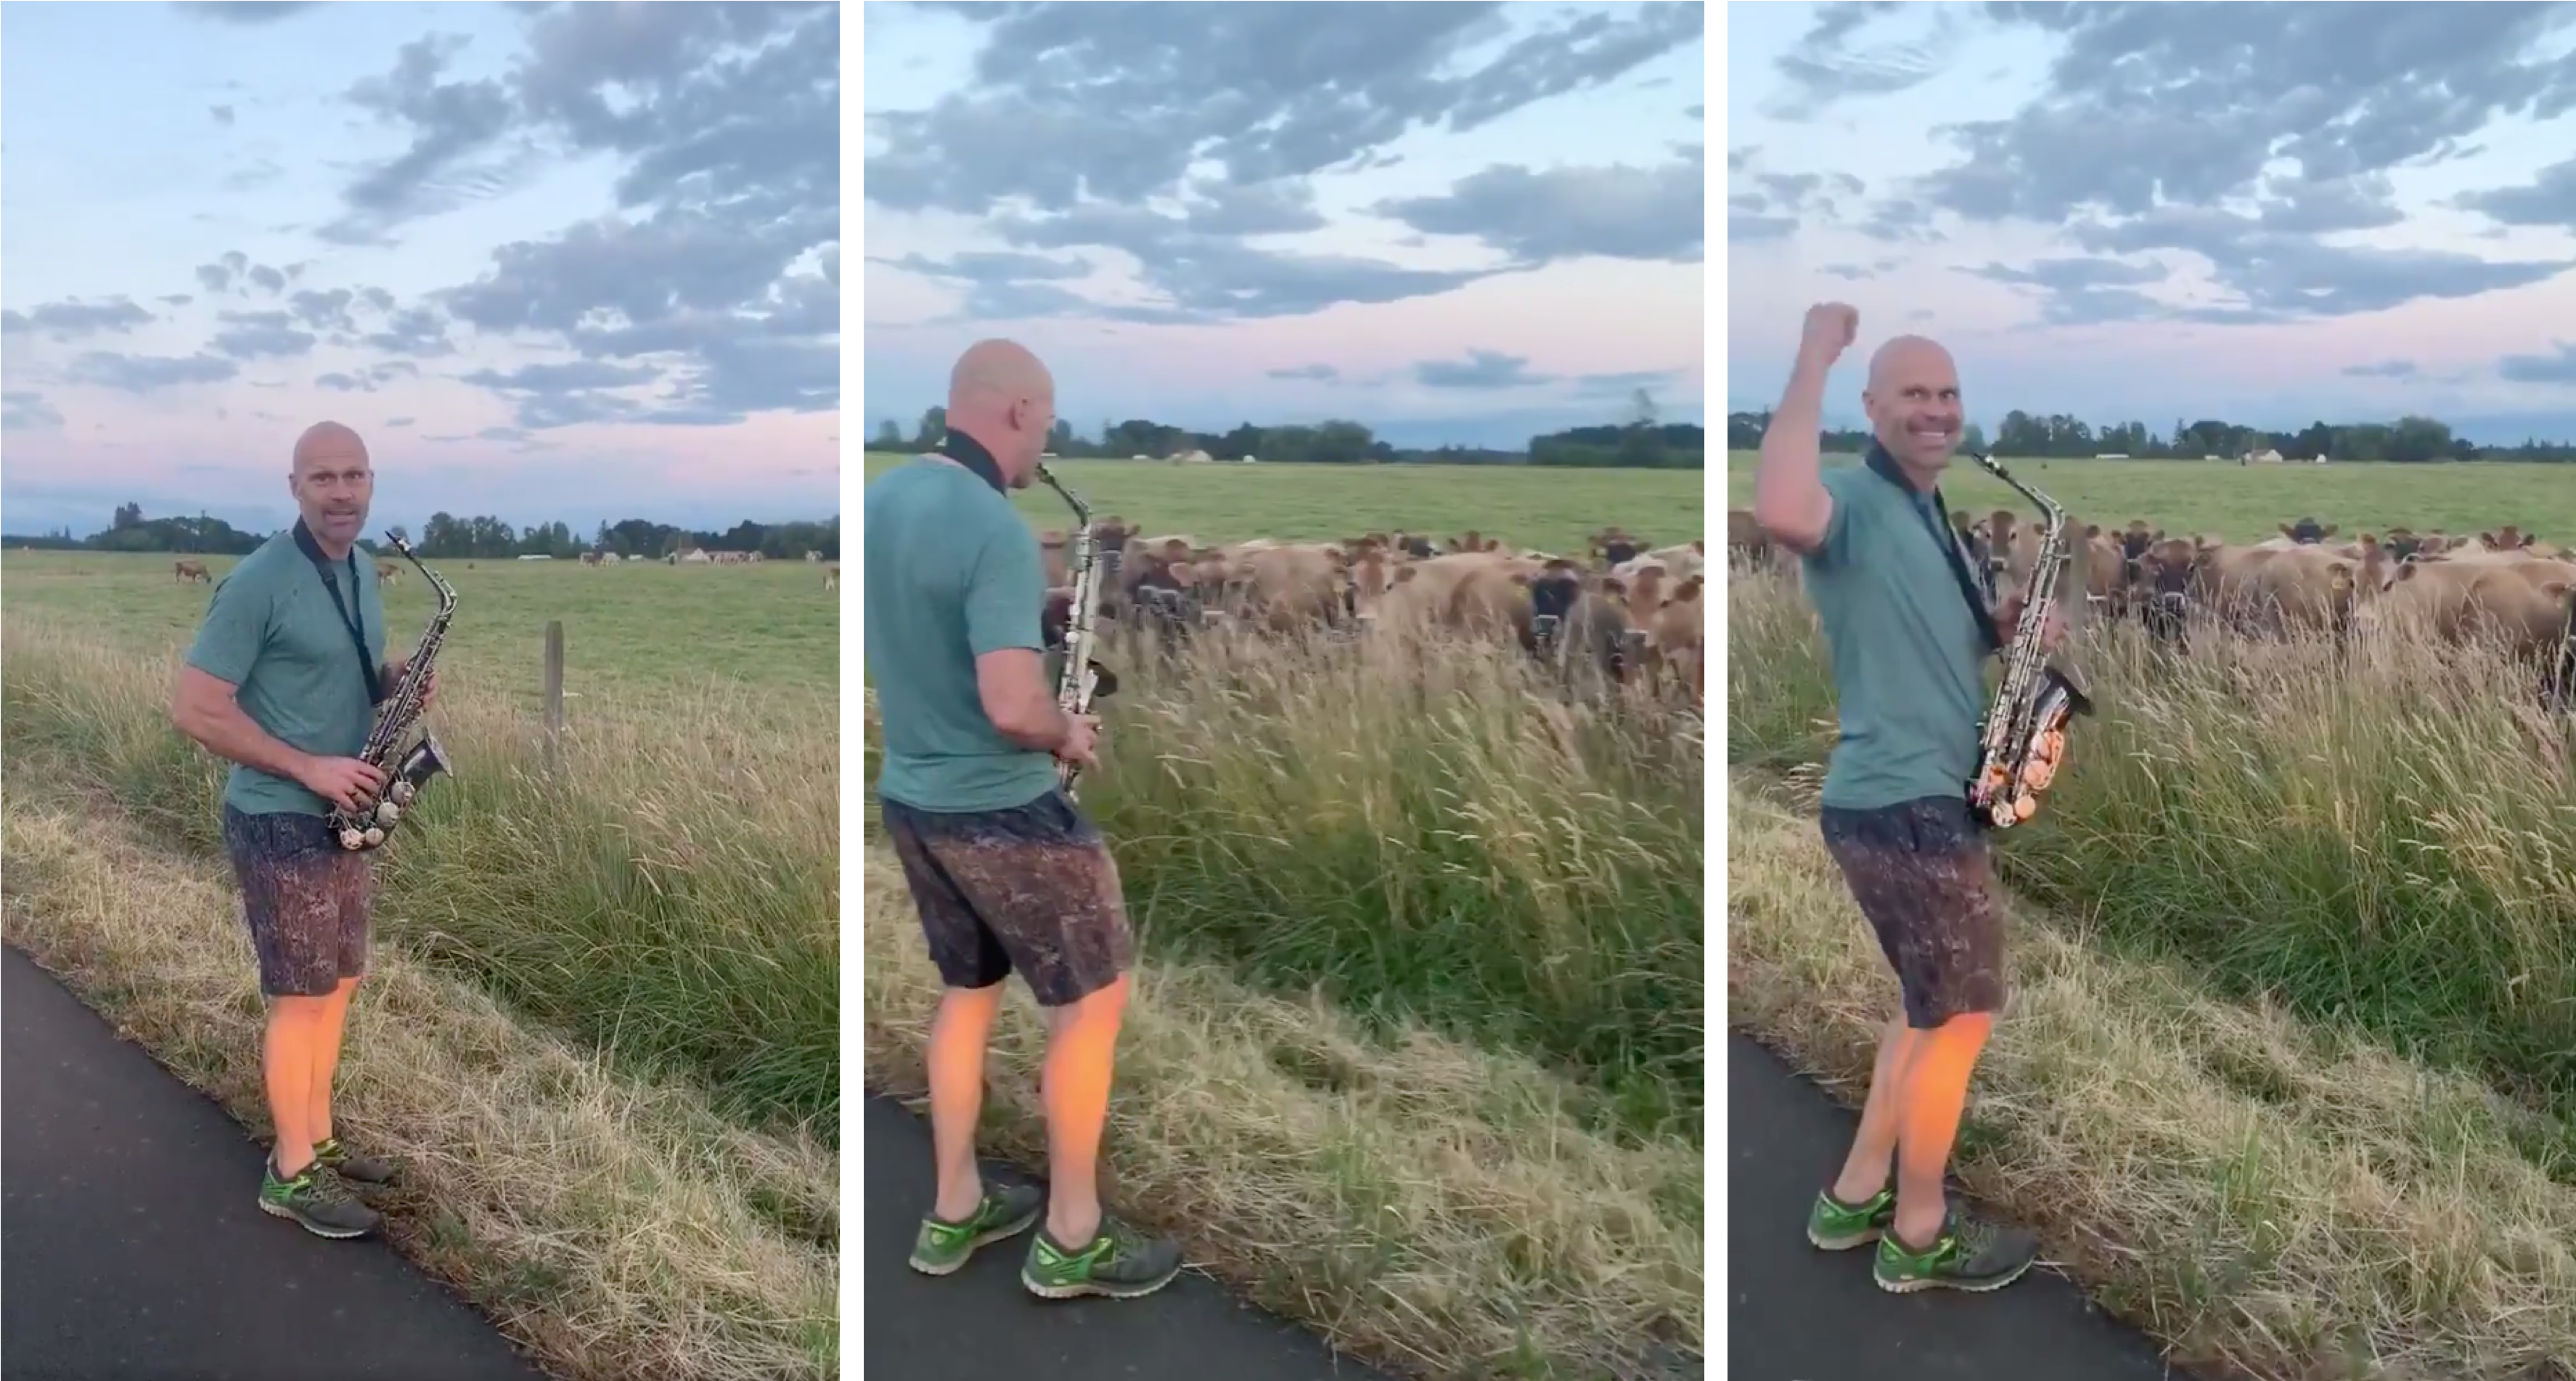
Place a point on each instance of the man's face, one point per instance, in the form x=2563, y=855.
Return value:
x=1914, y=409
x=333, y=484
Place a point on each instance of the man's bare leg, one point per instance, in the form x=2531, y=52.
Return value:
x=286, y=1071
x=1082, y=1040
x=1873, y=1151
x=958, y=1035
x=1935, y=1096
x=329, y=1023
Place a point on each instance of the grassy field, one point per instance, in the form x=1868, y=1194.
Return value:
x=2243, y=503
x=1417, y=1049
x=1553, y=510
x=2292, y=1067
x=639, y=945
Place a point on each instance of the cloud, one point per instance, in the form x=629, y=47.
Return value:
x=1086, y=120
x=223, y=115
x=22, y=410
x=2385, y=369
x=1483, y=369
x=73, y=318
x=2557, y=368
x=1323, y=373
x=148, y=373
x=1826, y=64
x=261, y=336
x=2168, y=128
x=1615, y=212
x=2550, y=199
x=244, y=11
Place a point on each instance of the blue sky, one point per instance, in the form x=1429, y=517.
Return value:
x=2266, y=213
x=1454, y=222
x=574, y=262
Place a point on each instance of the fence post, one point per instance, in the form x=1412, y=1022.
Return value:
x=554, y=689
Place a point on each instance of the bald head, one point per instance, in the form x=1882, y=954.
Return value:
x=332, y=483
x=1913, y=403
x=1000, y=394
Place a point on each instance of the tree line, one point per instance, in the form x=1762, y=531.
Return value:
x=2411, y=439
x=448, y=537
x=1636, y=444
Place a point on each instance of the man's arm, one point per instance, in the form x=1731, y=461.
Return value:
x=1790, y=502
x=1005, y=598
x=203, y=708
x=202, y=704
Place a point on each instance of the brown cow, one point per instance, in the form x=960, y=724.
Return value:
x=190, y=570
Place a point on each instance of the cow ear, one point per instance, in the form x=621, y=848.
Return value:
x=1520, y=577
x=2092, y=530
x=1614, y=587
x=1689, y=589
x=2332, y=528
x=1405, y=573
x=2406, y=570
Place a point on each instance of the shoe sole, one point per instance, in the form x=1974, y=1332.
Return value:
x=1862, y=1238
x=985, y=1239
x=1917, y=1284
x=317, y=1229
x=1096, y=1288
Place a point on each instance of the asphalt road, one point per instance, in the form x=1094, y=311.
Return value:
x=133, y=1249
x=979, y=1324
x=1799, y=1314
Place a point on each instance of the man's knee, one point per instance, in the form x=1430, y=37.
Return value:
x=1102, y=1006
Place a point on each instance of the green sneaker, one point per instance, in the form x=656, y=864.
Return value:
x=350, y=1166
x=1119, y=1263
x=1969, y=1255
x=314, y=1200
x=942, y=1246
x=1837, y=1226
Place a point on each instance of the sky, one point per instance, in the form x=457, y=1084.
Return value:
x=554, y=262
x=1457, y=223
x=2269, y=214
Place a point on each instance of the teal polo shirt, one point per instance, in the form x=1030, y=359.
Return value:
x=273, y=632
x=1908, y=652
x=952, y=572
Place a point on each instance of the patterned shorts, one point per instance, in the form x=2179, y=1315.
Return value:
x=1924, y=877
x=304, y=897
x=1031, y=889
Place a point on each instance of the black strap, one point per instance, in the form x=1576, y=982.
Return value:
x=1946, y=536
x=969, y=452
x=354, y=619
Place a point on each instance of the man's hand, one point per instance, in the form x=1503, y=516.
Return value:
x=1831, y=329
x=400, y=669
x=344, y=782
x=1081, y=747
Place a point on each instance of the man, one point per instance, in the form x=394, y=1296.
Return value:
x=1908, y=639
x=283, y=681
x=1007, y=873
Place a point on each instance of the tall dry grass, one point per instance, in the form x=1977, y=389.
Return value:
x=2380, y=833
x=1430, y=828
x=667, y=890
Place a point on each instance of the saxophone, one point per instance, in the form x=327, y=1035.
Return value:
x=2026, y=727
x=367, y=827
x=1080, y=678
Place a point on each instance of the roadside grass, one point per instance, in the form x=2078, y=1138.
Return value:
x=2271, y=1196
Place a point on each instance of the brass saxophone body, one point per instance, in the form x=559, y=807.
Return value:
x=368, y=827
x=2026, y=728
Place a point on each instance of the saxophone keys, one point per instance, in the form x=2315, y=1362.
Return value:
x=387, y=813
x=353, y=839
x=2025, y=807
x=401, y=792
x=374, y=836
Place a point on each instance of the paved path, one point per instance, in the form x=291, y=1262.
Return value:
x=979, y=1324
x=133, y=1248
x=1799, y=1314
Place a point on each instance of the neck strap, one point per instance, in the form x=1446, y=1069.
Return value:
x=969, y=452
x=1943, y=534
x=353, y=611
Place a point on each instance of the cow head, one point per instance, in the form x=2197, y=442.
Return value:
x=2506, y=538
x=2306, y=531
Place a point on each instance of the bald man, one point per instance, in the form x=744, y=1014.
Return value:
x=282, y=682
x=1909, y=633
x=1007, y=873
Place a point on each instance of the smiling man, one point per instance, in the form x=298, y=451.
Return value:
x=282, y=682
x=1909, y=635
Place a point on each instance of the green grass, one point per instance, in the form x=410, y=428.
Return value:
x=669, y=894
x=640, y=630
x=1549, y=509
x=2244, y=503
x=2383, y=837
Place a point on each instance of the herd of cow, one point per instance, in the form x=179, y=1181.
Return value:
x=2499, y=587
x=1633, y=613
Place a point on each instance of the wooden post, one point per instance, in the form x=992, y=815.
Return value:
x=554, y=688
